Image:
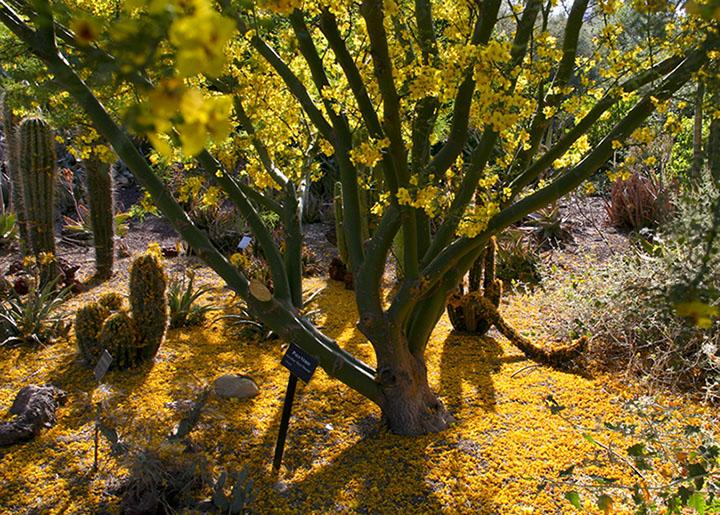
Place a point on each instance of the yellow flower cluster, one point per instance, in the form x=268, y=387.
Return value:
x=643, y=135
x=426, y=83
x=476, y=218
x=200, y=39
x=369, y=152
x=88, y=145
x=429, y=199
x=199, y=118
x=574, y=153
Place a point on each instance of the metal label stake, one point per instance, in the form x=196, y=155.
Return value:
x=301, y=365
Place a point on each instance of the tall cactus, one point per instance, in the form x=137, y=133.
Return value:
x=99, y=184
x=148, y=301
x=11, y=143
x=38, y=171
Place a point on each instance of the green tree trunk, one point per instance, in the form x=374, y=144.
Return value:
x=698, y=155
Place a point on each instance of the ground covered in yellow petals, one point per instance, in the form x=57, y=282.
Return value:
x=505, y=454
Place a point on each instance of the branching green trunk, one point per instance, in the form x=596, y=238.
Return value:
x=433, y=265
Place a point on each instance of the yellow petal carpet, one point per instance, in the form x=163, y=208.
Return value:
x=504, y=454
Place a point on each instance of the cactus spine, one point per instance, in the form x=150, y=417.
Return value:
x=38, y=171
x=129, y=338
x=148, y=301
x=12, y=149
x=99, y=185
x=120, y=337
x=88, y=323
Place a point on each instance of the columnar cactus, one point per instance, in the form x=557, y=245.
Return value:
x=11, y=148
x=148, y=301
x=38, y=171
x=129, y=338
x=99, y=185
x=111, y=300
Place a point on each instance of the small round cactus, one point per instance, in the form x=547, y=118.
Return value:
x=119, y=336
x=88, y=323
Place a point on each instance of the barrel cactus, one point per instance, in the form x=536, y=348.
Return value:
x=38, y=171
x=88, y=324
x=11, y=145
x=465, y=310
x=119, y=336
x=131, y=338
x=99, y=185
x=148, y=301
x=112, y=301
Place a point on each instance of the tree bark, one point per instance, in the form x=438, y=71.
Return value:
x=409, y=406
x=713, y=147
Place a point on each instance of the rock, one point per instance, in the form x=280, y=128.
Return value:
x=34, y=409
x=234, y=386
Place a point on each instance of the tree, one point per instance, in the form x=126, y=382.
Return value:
x=392, y=91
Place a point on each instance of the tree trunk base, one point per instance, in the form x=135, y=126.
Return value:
x=410, y=407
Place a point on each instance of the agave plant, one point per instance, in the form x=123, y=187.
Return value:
x=549, y=227
x=32, y=318
x=182, y=300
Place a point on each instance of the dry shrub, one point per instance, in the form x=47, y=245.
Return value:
x=161, y=484
x=629, y=304
x=638, y=201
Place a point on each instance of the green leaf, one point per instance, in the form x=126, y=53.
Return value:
x=604, y=503
x=574, y=498
x=636, y=450
x=697, y=501
x=602, y=479
x=567, y=472
x=553, y=405
x=590, y=438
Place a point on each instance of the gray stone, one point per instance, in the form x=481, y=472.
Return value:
x=234, y=386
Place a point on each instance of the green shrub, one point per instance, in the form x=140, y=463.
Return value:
x=631, y=304
x=8, y=228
